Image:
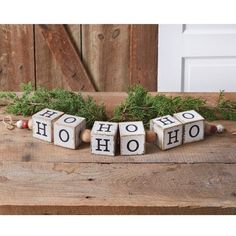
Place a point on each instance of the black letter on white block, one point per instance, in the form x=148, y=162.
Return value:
x=41, y=128
x=70, y=120
x=67, y=138
x=190, y=131
x=131, y=130
x=104, y=145
x=165, y=121
x=132, y=150
x=48, y=113
x=173, y=137
x=105, y=127
x=188, y=115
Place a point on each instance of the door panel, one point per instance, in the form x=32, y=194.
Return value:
x=195, y=58
x=202, y=74
x=209, y=28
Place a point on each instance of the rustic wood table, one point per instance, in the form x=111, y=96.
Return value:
x=39, y=178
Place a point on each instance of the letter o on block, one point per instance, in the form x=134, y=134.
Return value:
x=67, y=131
x=132, y=138
x=193, y=124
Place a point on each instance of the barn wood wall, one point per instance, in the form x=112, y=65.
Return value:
x=114, y=56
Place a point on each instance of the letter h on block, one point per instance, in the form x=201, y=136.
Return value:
x=103, y=138
x=169, y=131
x=43, y=124
x=193, y=125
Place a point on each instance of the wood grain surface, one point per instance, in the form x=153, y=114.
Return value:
x=40, y=178
x=47, y=74
x=143, y=55
x=105, y=53
x=157, y=186
x=16, y=56
x=113, y=57
x=67, y=57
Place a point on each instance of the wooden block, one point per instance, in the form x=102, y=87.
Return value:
x=169, y=131
x=103, y=138
x=132, y=138
x=67, y=131
x=43, y=124
x=193, y=122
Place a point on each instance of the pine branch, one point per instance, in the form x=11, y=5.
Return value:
x=140, y=105
x=32, y=101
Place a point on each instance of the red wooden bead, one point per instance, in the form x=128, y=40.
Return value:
x=25, y=124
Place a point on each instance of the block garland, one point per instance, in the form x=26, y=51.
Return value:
x=129, y=129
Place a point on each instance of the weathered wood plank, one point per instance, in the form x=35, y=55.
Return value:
x=114, y=210
x=48, y=74
x=158, y=186
x=74, y=32
x=105, y=53
x=66, y=57
x=16, y=56
x=143, y=56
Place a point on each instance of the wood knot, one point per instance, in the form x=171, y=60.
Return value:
x=3, y=179
x=116, y=33
x=101, y=36
x=26, y=157
x=233, y=194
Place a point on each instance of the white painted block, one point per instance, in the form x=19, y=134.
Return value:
x=132, y=138
x=193, y=125
x=42, y=123
x=67, y=131
x=104, y=137
x=169, y=131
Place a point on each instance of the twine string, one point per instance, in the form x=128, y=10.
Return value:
x=8, y=122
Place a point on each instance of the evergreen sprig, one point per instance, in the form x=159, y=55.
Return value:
x=140, y=105
x=226, y=108
x=32, y=101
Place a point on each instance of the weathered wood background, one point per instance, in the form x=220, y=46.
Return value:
x=78, y=57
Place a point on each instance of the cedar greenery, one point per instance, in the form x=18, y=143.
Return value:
x=140, y=105
x=32, y=101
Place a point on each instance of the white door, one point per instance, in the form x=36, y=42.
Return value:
x=197, y=58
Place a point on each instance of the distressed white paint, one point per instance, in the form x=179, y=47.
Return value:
x=197, y=58
x=193, y=125
x=132, y=138
x=67, y=131
x=42, y=124
x=166, y=127
x=104, y=138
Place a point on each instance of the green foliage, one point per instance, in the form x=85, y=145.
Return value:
x=32, y=101
x=140, y=105
x=226, y=108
